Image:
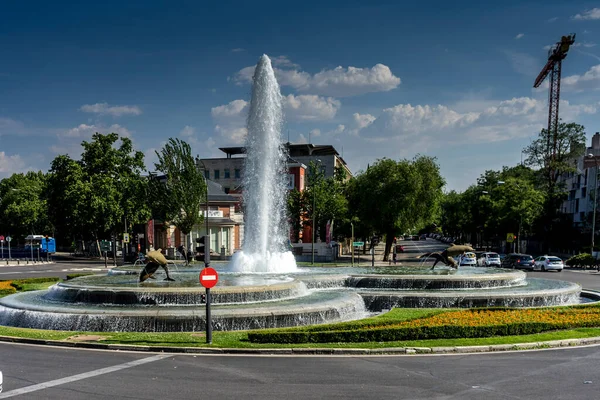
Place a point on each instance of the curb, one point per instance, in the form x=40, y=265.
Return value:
x=311, y=351
x=23, y=263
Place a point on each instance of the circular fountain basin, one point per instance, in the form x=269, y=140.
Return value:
x=186, y=290
x=118, y=302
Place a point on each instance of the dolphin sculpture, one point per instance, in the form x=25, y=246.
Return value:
x=155, y=260
x=446, y=255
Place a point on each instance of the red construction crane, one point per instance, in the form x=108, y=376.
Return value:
x=553, y=67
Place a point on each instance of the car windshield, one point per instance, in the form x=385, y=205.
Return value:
x=469, y=255
x=493, y=255
x=554, y=259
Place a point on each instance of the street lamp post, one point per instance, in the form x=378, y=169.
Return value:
x=595, y=201
x=313, y=221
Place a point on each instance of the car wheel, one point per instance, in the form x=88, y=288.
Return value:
x=543, y=268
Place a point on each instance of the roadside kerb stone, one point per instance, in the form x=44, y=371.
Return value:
x=310, y=351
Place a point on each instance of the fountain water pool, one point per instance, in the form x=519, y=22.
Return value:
x=117, y=302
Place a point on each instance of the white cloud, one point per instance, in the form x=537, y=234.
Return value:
x=11, y=127
x=439, y=125
x=337, y=82
x=363, y=120
x=237, y=50
x=115, y=111
x=307, y=107
x=315, y=133
x=235, y=108
x=552, y=19
x=594, y=13
x=232, y=134
x=590, y=80
x=284, y=62
x=519, y=36
x=69, y=141
x=583, y=44
x=10, y=164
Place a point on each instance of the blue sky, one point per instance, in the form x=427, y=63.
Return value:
x=375, y=79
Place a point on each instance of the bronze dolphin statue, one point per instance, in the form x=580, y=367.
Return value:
x=446, y=255
x=155, y=260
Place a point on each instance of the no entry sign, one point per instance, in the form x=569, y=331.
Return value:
x=209, y=277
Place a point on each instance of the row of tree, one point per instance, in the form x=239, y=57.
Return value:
x=524, y=199
x=104, y=193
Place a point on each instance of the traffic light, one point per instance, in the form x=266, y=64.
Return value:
x=203, y=247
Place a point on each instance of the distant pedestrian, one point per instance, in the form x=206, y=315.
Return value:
x=394, y=251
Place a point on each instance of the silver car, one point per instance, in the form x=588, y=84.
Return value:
x=549, y=263
x=489, y=259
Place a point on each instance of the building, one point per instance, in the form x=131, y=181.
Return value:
x=224, y=226
x=581, y=184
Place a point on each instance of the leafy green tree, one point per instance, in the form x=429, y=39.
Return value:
x=182, y=193
x=103, y=193
x=397, y=196
x=552, y=163
x=23, y=205
x=296, y=208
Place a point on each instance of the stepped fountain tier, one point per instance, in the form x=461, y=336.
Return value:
x=117, y=302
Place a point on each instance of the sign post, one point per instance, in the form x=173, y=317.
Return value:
x=2, y=245
x=208, y=278
x=8, y=239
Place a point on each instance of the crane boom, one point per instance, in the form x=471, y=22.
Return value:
x=553, y=68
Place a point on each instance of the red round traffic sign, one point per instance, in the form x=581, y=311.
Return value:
x=209, y=277
x=1, y=238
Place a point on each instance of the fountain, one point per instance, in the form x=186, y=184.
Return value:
x=265, y=230
x=262, y=287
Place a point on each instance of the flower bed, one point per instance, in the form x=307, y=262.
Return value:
x=452, y=324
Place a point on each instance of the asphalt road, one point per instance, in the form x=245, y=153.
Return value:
x=32, y=372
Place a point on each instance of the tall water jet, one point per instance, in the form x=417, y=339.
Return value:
x=264, y=185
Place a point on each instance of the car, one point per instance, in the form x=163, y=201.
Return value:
x=518, y=260
x=549, y=263
x=423, y=237
x=489, y=259
x=467, y=260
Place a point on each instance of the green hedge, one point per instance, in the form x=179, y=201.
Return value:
x=582, y=260
x=405, y=333
x=7, y=291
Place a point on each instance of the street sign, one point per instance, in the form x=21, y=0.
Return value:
x=209, y=277
x=126, y=238
x=1, y=238
x=510, y=237
x=8, y=239
x=358, y=244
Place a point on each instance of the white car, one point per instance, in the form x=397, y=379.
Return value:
x=548, y=263
x=489, y=259
x=467, y=260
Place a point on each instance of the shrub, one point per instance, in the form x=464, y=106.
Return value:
x=583, y=260
x=20, y=284
x=6, y=288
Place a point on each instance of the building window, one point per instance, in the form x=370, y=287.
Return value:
x=582, y=216
x=227, y=174
x=576, y=205
x=236, y=173
x=217, y=174
x=584, y=192
x=207, y=173
x=226, y=189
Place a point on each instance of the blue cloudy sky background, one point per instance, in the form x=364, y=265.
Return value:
x=374, y=79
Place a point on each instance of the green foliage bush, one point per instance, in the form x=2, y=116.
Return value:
x=582, y=260
x=7, y=291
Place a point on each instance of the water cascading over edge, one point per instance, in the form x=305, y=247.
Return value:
x=265, y=181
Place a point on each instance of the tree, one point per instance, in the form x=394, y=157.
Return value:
x=392, y=197
x=23, y=204
x=181, y=194
x=104, y=191
x=570, y=145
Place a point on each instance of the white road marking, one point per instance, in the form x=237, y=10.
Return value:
x=78, y=377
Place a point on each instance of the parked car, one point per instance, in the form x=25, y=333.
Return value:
x=489, y=259
x=467, y=260
x=423, y=237
x=549, y=263
x=520, y=261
